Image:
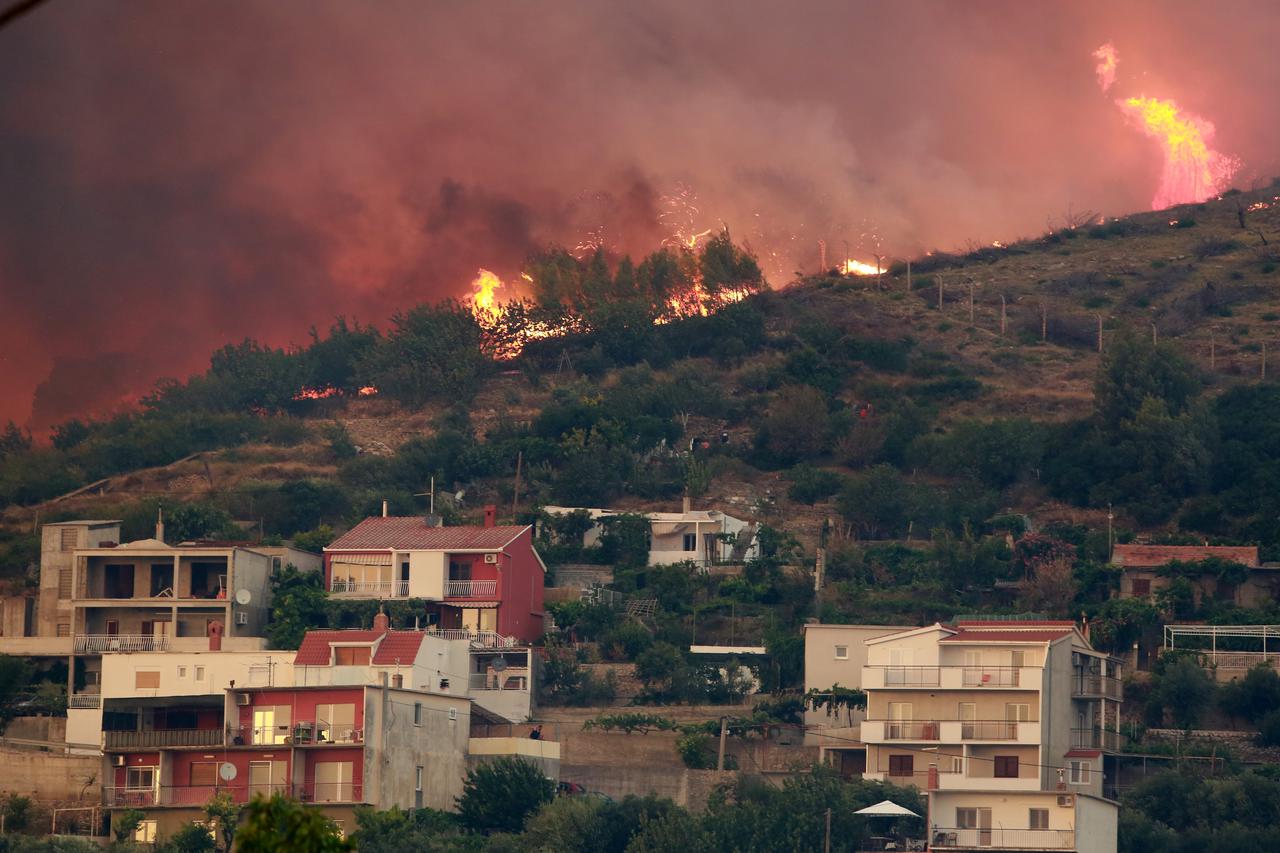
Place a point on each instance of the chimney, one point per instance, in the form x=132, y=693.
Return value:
x=382, y=622
x=397, y=680
x=684, y=505
x=490, y=515
x=215, y=636
x=160, y=524
x=384, y=509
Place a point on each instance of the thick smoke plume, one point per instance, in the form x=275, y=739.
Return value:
x=176, y=175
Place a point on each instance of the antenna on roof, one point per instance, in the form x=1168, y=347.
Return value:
x=160, y=524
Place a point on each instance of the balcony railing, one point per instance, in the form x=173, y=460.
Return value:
x=510, y=679
x=911, y=730
x=478, y=639
x=470, y=589
x=84, y=700
x=991, y=676
x=951, y=731
x=911, y=676
x=198, y=795
x=163, y=738
x=1097, y=739
x=948, y=838
x=989, y=729
x=96, y=644
x=1099, y=686
x=378, y=589
x=302, y=733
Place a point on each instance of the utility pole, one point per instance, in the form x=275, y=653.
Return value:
x=939, y=291
x=1099, y=333
x=515, y=490
x=970, y=303
x=822, y=256
x=908, y=275
x=1213, y=352
x=826, y=844
x=724, y=730
x=1154, y=337
x=1003, y=315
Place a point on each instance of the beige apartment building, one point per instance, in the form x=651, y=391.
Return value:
x=1007, y=725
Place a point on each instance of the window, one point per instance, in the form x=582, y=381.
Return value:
x=966, y=818
x=417, y=789
x=1006, y=767
x=146, y=679
x=351, y=655
x=271, y=724
x=1142, y=586
x=64, y=629
x=1017, y=713
x=182, y=672
x=145, y=832
x=417, y=783
x=336, y=722
x=1017, y=658
x=275, y=564
x=690, y=542
x=204, y=774
x=334, y=781
x=268, y=777
x=1081, y=772
x=1039, y=818
x=417, y=713
x=199, y=673
x=140, y=778
x=68, y=537
x=64, y=583
x=901, y=765
x=842, y=652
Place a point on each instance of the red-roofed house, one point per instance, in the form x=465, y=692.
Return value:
x=1145, y=573
x=484, y=580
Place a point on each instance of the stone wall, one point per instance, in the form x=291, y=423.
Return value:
x=50, y=729
x=51, y=776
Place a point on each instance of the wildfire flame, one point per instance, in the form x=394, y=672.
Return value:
x=852, y=267
x=484, y=300
x=1193, y=171
x=1106, y=67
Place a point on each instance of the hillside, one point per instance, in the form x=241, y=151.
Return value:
x=1205, y=283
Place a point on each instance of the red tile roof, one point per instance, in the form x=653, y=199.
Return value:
x=1150, y=556
x=1016, y=624
x=1044, y=636
x=403, y=646
x=411, y=533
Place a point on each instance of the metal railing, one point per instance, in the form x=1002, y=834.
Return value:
x=990, y=676
x=945, y=838
x=911, y=730
x=470, y=589
x=329, y=792
x=84, y=700
x=989, y=729
x=911, y=676
x=99, y=643
x=163, y=738
x=1097, y=685
x=478, y=639
x=340, y=586
x=1097, y=739
x=501, y=680
x=189, y=795
x=301, y=733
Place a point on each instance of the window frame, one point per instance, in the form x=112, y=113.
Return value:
x=900, y=761
x=841, y=652
x=1080, y=772
x=1033, y=814
x=1002, y=764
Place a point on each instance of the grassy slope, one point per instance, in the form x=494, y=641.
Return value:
x=1151, y=272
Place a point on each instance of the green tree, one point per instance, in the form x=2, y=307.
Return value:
x=298, y=603
x=1185, y=690
x=13, y=441
x=1254, y=696
x=1133, y=371
x=431, y=352
x=499, y=795
x=411, y=831
x=876, y=501
x=191, y=838
x=224, y=813
x=125, y=823
x=797, y=425
x=15, y=681
x=281, y=825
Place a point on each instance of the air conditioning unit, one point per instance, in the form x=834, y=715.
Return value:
x=242, y=699
x=491, y=558
x=118, y=761
x=242, y=618
x=1066, y=800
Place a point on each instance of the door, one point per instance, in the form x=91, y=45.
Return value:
x=271, y=724
x=334, y=781
x=266, y=777
x=113, y=627
x=968, y=716
x=899, y=720
x=402, y=588
x=1015, y=713
x=900, y=661
x=984, y=827
x=489, y=619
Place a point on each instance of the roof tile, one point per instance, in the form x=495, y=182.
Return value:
x=411, y=533
x=397, y=646
x=1150, y=556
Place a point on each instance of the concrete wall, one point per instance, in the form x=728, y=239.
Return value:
x=247, y=669
x=251, y=571
x=544, y=753
x=51, y=775
x=1097, y=825
x=54, y=559
x=53, y=729
x=438, y=745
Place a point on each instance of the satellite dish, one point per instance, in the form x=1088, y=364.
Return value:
x=498, y=665
x=243, y=597
x=227, y=771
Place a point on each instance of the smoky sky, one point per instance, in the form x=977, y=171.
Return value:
x=175, y=175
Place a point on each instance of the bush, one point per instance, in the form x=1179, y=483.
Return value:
x=498, y=796
x=696, y=751
x=1269, y=729
x=809, y=484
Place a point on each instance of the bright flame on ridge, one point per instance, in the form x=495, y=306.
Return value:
x=1193, y=171
x=852, y=267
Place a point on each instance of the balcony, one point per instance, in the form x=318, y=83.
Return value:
x=369, y=589
x=96, y=644
x=471, y=589
x=198, y=795
x=162, y=739
x=952, y=838
x=508, y=679
x=1097, y=739
x=951, y=731
x=1088, y=686
x=478, y=639
x=951, y=677
x=301, y=733
x=84, y=700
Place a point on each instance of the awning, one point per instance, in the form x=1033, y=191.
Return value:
x=360, y=560
x=886, y=808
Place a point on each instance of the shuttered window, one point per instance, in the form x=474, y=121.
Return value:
x=69, y=537
x=64, y=583
x=146, y=680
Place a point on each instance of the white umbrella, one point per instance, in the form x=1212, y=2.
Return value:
x=886, y=808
